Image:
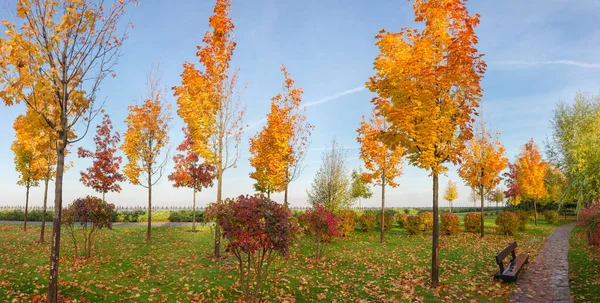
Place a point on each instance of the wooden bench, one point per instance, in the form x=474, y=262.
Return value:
x=511, y=271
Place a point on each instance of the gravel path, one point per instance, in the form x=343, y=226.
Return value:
x=546, y=279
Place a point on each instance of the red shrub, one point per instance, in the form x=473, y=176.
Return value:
x=323, y=225
x=255, y=227
x=473, y=222
x=450, y=223
x=91, y=214
x=590, y=220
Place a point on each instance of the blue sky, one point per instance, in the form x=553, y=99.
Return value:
x=538, y=53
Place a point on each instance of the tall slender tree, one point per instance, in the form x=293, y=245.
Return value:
x=146, y=137
x=359, y=189
x=428, y=87
x=513, y=190
x=483, y=161
x=531, y=171
x=190, y=171
x=451, y=193
x=208, y=103
x=55, y=63
x=278, y=150
x=331, y=185
x=384, y=164
x=103, y=176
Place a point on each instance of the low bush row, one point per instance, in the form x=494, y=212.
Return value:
x=19, y=215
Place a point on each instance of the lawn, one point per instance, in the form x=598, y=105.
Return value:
x=176, y=267
x=584, y=269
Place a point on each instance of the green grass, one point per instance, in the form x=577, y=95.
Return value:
x=584, y=268
x=176, y=267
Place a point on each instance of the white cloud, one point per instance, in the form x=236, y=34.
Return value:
x=550, y=62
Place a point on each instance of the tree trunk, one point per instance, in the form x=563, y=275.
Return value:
x=482, y=207
x=149, y=232
x=382, y=235
x=217, y=252
x=104, y=197
x=26, y=208
x=55, y=249
x=535, y=212
x=268, y=194
x=44, y=209
x=434, y=245
x=194, y=213
x=285, y=196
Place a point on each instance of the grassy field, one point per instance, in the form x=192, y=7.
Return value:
x=584, y=269
x=176, y=267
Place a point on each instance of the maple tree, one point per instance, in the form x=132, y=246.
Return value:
x=483, y=161
x=26, y=154
x=428, y=86
x=280, y=147
x=384, y=164
x=190, y=171
x=144, y=140
x=451, y=193
x=208, y=104
x=54, y=63
x=513, y=191
x=531, y=170
x=104, y=173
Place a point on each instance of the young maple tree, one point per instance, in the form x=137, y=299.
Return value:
x=208, y=104
x=428, y=86
x=531, y=170
x=145, y=138
x=513, y=190
x=190, y=171
x=384, y=164
x=26, y=150
x=104, y=173
x=279, y=148
x=54, y=63
x=482, y=162
x=451, y=193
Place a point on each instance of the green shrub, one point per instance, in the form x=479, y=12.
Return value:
x=389, y=220
x=427, y=220
x=184, y=215
x=347, y=223
x=507, y=223
x=531, y=214
x=157, y=216
x=12, y=215
x=130, y=216
x=414, y=225
x=366, y=222
x=524, y=217
x=551, y=216
x=401, y=219
x=450, y=223
x=473, y=222
x=36, y=215
x=412, y=212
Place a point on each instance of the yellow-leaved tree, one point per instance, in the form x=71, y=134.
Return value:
x=383, y=163
x=208, y=103
x=451, y=193
x=482, y=162
x=54, y=61
x=279, y=148
x=144, y=141
x=531, y=171
x=428, y=87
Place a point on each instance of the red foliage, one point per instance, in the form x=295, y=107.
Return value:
x=323, y=225
x=189, y=170
x=590, y=220
x=510, y=180
x=255, y=227
x=104, y=173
